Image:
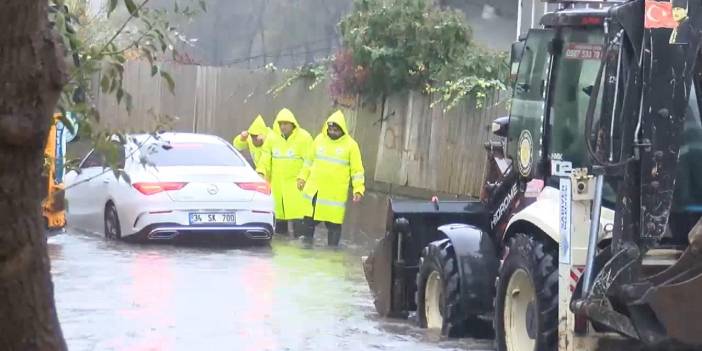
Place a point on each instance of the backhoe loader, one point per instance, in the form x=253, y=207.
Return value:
x=588, y=223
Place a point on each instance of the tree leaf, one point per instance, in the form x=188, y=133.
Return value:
x=147, y=53
x=120, y=94
x=132, y=8
x=203, y=6
x=128, y=102
x=171, y=84
x=105, y=83
x=75, y=43
x=125, y=176
x=112, y=6
x=113, y=87
x=60, y=21
x=154, y=70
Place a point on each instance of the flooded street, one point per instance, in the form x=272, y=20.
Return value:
x=121, y=296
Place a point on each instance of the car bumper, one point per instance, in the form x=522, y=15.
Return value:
x=174, y=232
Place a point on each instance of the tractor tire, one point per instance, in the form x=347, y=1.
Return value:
x=438, y=290
x=526, y=304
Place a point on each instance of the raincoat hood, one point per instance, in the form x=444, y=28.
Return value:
x=284, y=115
x=338, y=118
x=258, y=127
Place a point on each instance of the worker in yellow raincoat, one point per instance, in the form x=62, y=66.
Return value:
x=253, y=139
x=334, y=163
x=282, y=160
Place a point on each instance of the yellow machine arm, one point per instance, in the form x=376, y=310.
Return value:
x=53, y=207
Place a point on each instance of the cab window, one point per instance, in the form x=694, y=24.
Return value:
x=527, y=112
x=577, y=67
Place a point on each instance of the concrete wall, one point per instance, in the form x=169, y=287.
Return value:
x=406, y=143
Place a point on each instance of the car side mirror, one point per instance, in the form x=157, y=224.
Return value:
x=515, y=56
x=500, y=126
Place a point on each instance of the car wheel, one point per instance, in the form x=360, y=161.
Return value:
x=438, y=290
x=112, y=228
x=526, y=311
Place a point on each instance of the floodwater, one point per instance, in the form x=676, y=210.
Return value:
x=122, y=296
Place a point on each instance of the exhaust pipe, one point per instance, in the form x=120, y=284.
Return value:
x=258, y=234
x=162, y=234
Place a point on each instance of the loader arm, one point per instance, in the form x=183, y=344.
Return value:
x=660, y=67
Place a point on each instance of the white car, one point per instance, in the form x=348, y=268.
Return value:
x=183, y=187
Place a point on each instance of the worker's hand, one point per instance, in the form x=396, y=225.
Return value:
x=244, y=135
x=357, y=197
x=300, y=184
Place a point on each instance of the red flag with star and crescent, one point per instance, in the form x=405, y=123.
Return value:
x=659, y=14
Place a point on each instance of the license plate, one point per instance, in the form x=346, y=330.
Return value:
x=212, y=218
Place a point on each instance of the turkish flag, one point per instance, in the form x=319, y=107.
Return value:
x=659, y=14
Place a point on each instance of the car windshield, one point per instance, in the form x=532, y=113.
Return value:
x=191, y=154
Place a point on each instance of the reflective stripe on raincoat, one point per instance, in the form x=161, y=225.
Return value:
x=258, y=127
x=330, y=167
x=281, y=163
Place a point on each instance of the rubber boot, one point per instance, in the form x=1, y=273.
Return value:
x=334, y=236
x=299, y=228
x=308, y=235
x=281, y=227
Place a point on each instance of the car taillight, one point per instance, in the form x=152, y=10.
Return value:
x=261, y=187
x=155, y=188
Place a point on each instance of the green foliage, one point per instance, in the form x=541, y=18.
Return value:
x=108, y=143
x=314, y=73
x=399, y=45
x=99, y=43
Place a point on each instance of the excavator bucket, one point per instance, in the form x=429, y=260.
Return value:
x=392, y=266
x=378, y=270
x=674, y=294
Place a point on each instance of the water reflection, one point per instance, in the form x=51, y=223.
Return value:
x=117, y=296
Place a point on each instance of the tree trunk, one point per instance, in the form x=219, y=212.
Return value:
x=32, y=71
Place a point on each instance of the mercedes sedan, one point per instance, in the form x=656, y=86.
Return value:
x=178, y=187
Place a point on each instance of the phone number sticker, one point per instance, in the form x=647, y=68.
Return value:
x=575, y=51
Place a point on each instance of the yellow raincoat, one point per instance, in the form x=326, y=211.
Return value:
x=281, y=163
x=330, y=167
x=258, y=127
